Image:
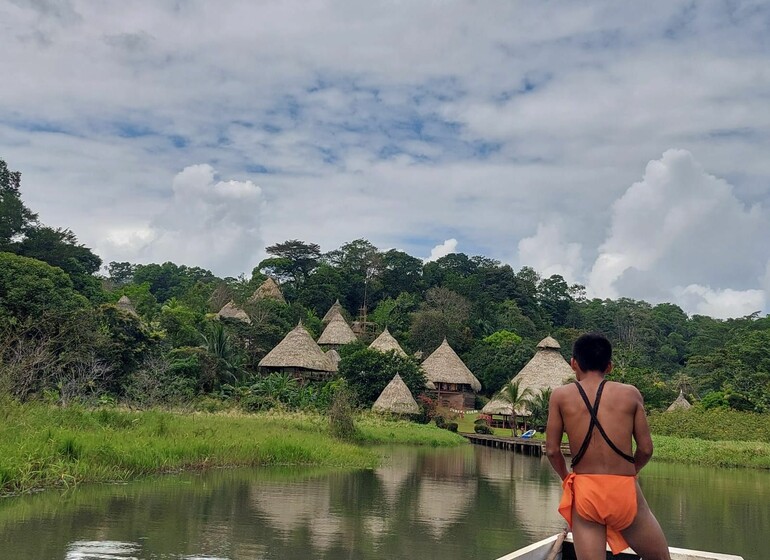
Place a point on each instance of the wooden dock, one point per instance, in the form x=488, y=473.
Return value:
x=526, y=446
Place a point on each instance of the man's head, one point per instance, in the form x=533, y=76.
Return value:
x=592, y=352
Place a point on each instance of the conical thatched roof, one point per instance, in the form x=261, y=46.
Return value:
x=546, y=369
x=269, y=289
x=337, y=332
x=396, y=397
x=298, y=350
x=680, y=403
x=230, y=311
x=385, y=343
x=445, y=366
x=549, y=342
x=334, y=356
x=124, y=304
x=335, y=308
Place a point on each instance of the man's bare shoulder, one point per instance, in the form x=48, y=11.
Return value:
x=627, y=390
x=560, y=392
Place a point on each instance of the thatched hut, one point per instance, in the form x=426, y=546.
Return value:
x=298, y=355
x=547, y=369
x=336, y=308
x=385, y=343
x=681, y=403
x=269, y=289
x=449, y=379
x=397, y=398
x=337, y=333
x=125, y=305
x=230, y=311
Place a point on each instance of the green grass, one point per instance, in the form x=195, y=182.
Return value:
x=712, y=453
x=377, y=429
x=46, y=446
x=717, y=425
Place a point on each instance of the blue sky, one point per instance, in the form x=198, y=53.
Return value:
x=622, y=145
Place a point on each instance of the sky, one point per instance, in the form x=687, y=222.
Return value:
x=623, y=145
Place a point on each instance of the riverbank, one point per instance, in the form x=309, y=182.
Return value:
x=42, y=446
x=696, y=438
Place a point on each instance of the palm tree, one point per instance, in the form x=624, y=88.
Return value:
x=513, y=395
x=539, y=407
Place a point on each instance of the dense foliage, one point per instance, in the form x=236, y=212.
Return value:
x=63, y=336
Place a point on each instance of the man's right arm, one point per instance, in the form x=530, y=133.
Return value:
x=553, y=433
x=642, y=435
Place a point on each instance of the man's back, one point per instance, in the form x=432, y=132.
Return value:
x=618, y=408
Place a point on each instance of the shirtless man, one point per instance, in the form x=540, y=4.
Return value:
x=602, y=501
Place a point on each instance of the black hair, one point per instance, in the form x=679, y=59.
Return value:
x=592, y=352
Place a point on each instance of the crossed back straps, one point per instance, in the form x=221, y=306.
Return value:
x=593, y=411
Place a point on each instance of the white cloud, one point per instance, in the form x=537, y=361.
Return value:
x=442, y=250
x=680, y=226
x=207, y=223
x=722, y=304
x=548, y=253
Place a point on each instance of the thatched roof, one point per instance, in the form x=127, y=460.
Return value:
x=269, y=289
x=230, y=311
x=680, y=403
x=549, y=342
x=335, y=308
x=124, y=304
x=546, y=369
x=396, y=397
x=337, y=332
x=298, y=350
x=445, y=366
x=334, y=356
x=385, y=343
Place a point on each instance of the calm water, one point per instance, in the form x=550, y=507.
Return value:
x=470, y=503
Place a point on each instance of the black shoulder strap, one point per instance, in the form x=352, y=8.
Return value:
x=593, y=411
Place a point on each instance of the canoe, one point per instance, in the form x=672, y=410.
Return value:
x=540, y=551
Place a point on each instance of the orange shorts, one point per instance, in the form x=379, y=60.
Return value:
x=608, y=499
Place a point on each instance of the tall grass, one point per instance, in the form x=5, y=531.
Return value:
x=44, y=446
x=712, y=453
x=715, y=425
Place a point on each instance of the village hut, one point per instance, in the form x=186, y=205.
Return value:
x=337, y=333
x=385, y=343
x=230, y=311
x=336, y=308
x=547, y=369
x=449, y=379
x=680, y=403
x=269, y=289
x=396, y=398
x=125, y=304
x=334, y=356
x=298, y=355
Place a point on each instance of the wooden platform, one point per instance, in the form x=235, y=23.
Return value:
x=525, y=446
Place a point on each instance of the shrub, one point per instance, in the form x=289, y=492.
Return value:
x=440, y=421
x=452, y=427
x=341, y=415
x=482, y=429
x=427, y=409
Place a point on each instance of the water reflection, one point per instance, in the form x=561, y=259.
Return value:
x=472, y=502
x=92, y=550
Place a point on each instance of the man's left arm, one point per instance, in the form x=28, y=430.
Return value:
x=553, y=434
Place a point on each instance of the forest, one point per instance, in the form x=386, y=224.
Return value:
x=63, y=339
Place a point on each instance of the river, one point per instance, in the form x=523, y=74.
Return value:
x=470, y=502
